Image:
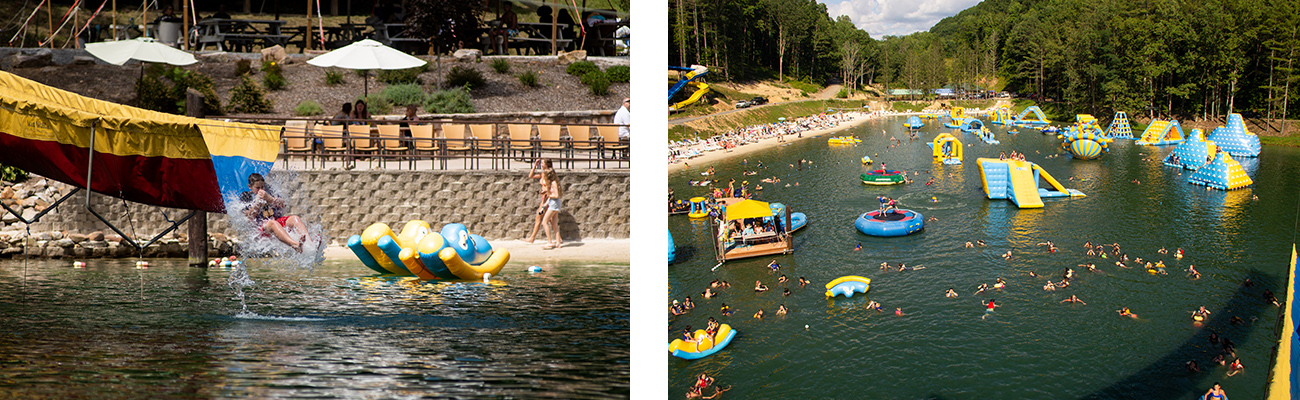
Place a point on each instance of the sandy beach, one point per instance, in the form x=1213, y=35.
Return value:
x=763, y=144
x=598, y=251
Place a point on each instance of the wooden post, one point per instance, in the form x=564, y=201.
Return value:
x=185, y=28
x=309, y=26
x=198, y=224
x=49, y=12
x=114, y=20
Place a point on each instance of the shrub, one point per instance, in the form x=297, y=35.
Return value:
x=402, y=76
x=460, y=76
x=154, y=94
x=308, y=108
x=843, y=93
x=402, y=95
x=248, y=97
x=500, y=65
x=619, y=73
x=581, y=68
x=528, y=78
x=454, y=101
x=361, y=72
x=193, y=79
x=376, y=104
x=13, y=174
x=243, y=67
x=333, y=77
x=273, y=81
x=271, y=67
x=597, y=81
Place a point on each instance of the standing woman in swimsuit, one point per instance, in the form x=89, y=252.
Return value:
x=552, y=216
x=541, y=209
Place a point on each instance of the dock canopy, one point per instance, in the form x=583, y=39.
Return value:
x=748, y=209
x=139, y=155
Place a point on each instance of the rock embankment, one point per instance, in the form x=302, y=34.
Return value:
x=28, y=199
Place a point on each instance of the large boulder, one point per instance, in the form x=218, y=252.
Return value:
x=571, y=57
x=274, y=54
x=36, y=59
x=468, y=55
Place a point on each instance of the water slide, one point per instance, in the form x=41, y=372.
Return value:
x=1018, y=181
x=1042, y=119
x=701, y=88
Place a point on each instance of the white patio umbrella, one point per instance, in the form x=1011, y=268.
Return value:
x=143, y=49
x=367, y=54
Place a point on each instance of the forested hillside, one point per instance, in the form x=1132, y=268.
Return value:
x=1195, y=58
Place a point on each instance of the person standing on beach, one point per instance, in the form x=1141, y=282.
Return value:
x=533, y=173
x=552, y=216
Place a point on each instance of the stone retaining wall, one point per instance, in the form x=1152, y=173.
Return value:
x=495, y=204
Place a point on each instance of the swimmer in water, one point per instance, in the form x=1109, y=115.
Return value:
x=759, y=314
x=786, y=292
x=999, y=284
x=803, y=282
x=1121, y=264
x=1031, y=273
x=688, y=304
x=774, y=266
x=989, y=310
x=1202, y=312
x=1127, y=313
x=1049, y=286
x=708, y=293
x=1191, y=271
x=874, y=305
x=970, y=245
x=1007, y=256
x=982, y=288
x=951, y=293
x=932, y=219
x=726, y=310
x=759, y=287
x=858, y=247
x=1074, y=299
x=782, y=310
x=1162, y=251
x=980, y=242
x=884, y=266
x=898, y=311
x=1179, y=254
x=781, y=279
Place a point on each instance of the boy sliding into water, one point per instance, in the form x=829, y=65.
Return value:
x=265, y=210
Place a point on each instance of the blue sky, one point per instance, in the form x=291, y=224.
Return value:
x=895, y=17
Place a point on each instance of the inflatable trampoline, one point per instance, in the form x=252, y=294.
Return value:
x=882, y=177
x=895, y=223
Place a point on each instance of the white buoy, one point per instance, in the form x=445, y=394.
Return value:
x=534, y=269
x=486, y=275
x=805, y=327
x=141, y=264
x=212, y=263
x=78, y=264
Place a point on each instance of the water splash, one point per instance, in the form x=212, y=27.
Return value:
x=239, y=280
x=265, y=248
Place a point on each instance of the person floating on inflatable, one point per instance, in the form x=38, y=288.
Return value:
x=1127, y=313
x=1201, y=314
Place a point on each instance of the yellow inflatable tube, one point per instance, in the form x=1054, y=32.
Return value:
x=702, y=341
x=464, y=270
x=849, y=278
x=370, y=239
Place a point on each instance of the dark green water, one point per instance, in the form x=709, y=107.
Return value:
x=111, y=331
x=1032, y=347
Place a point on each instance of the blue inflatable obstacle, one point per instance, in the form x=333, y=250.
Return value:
x=672, y=248
x=1038, y=119
x=1085, y=140
x=1192, y=153
x=1018, y=181
x=891, y=223
x=972, y=125
x=1235, y=139
x=847, y=285
x=797, y=219
x=914, y=122
x=1119, y=128
x=1223, y=173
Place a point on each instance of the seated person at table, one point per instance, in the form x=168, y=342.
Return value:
x=168, y=15
x=360, y=112
x=564, y=22
x=221, y=12
x=411, y=109
x=344, y=114
x=508, y=27
x=265, y=210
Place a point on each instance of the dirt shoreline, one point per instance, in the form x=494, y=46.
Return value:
x=703, y=161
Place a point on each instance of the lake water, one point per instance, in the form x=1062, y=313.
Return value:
x=1033, y=346
x=335, y=331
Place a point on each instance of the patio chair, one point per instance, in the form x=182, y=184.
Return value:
x=611, y=142
x=424, y=142
x=454, y=134
x=485, y=140
x=392, y=143
x=521, y=139
x=333, y=142
x=297, y=141
x=362, y=142
x=580, y=140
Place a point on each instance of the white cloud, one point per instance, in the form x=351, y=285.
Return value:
x=895, y=17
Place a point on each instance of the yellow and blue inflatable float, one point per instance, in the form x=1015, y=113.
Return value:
x=452, y=253
x=843, y=140
x=847, y=286
x=703, y=345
